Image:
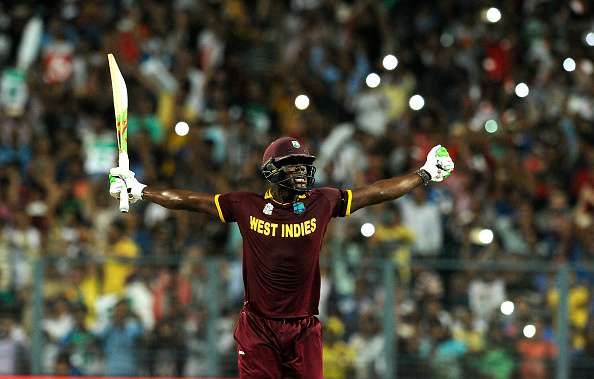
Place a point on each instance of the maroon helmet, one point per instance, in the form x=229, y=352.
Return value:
x=288, y=163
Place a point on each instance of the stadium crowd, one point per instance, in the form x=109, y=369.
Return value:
x=522, y=191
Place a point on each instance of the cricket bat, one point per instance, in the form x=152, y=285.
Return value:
x=120, y=105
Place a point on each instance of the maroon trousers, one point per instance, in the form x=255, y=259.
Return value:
x=278, y=348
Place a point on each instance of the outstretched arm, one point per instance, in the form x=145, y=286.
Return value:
x=439, y=166
x=182, y=200
x=384, y=190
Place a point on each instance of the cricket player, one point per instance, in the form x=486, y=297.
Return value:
x=278, y=334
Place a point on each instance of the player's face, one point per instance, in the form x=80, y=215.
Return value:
x=298, y=175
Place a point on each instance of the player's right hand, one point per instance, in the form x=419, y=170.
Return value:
x=120, y=179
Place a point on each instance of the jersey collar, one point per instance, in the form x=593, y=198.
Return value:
x=268, y=196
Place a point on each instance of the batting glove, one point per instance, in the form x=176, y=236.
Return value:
x=439, y=165
x=120, y=179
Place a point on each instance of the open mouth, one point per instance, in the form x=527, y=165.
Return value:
x=300, y=181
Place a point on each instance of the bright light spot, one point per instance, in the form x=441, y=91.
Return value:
x=416, y=102
x=182, y=128
x=493, y=14
x=446, y=40
x=590, y=39
x=491, y=126
x=529, y=331
x=522, y=90
x=390, y=62
x=302, y=102
x=373, y=80
x=485, y=236
x=569, y=64
x=507, y=307
x=367, y=229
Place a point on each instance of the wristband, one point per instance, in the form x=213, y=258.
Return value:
x=424, y=176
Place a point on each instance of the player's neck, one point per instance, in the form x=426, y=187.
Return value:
x=283, y=195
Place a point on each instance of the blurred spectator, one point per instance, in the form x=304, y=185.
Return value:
x=536, y=355
x=166, y=349
x=339, y=357
x=486, y=292
x=368, y=346
x=79, y=346
x=121, y=342
x=13, y=359
x=120, y=251
x=496, y=360
x=422, y=217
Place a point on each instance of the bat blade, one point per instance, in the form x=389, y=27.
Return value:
x=120, y=105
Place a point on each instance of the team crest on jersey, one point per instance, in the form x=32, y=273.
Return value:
x=268, y=209
x=296, y=144
x=298, y=207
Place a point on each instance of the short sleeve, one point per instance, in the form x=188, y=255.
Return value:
x=340, y=200
x=227, y=205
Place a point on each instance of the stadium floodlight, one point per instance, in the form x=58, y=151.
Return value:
x=569, y=64
x=182, y=128
x=522, y=89
x=493, y=15
x=416, y=102
x=367, y=229
x=529, y=331
x=507, y=307
x=491, y=126
x=390, y=62
x=302, y=102
x=590, y=38
x=372, y=80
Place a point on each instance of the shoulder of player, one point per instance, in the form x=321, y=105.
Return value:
x=241, y=195
x=326, y=193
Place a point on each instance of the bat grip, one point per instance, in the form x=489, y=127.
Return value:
x=124, y=203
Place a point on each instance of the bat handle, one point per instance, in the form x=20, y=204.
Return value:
x=124, y=203
x=124, y=165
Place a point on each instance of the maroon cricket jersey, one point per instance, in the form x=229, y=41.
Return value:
x=281, y=247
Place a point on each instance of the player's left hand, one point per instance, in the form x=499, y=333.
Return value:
x=439, y=164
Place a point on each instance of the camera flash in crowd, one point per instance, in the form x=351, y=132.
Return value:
x=302, y=102
x=416, y=102
x=507, y=307
x=367, y=229
x=493, y=15
x=522, y=90
x=182, y=128
x=590, y=39
x=569, y=64
x=529, y=331
x=390, y=62
x=485, y=236
x=373, y=80
x=491, y=126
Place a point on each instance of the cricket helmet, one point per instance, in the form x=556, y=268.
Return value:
x=283, y=162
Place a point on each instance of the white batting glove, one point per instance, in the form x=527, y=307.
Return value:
x=120, y=179
x=439, y=164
